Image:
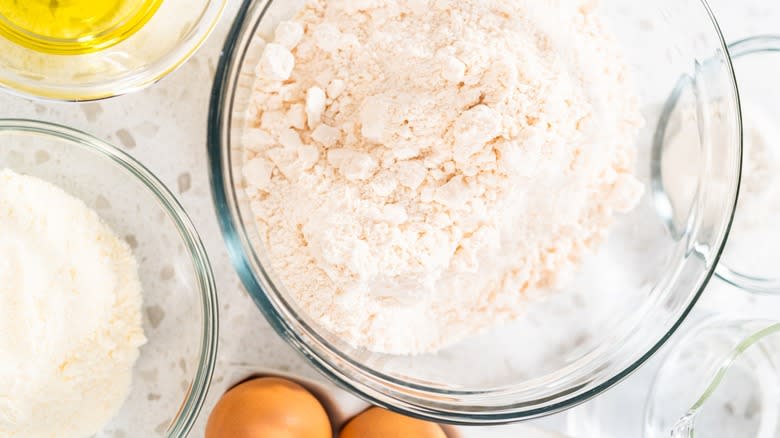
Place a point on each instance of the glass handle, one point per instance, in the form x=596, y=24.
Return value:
x=683, y=428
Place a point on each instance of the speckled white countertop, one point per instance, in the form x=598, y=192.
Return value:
x=165, y=128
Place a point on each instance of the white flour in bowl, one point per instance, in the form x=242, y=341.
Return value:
x=416, y=167
x=70, y=313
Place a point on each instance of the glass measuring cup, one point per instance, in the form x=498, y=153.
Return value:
x=721, y=380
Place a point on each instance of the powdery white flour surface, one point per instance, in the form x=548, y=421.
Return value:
x=70, y=319
x=417, y=167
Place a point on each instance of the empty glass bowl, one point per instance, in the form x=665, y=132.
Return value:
x=173, y=372
x=172, y=34
x=629, y=296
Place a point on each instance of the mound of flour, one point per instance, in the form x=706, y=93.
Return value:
x=416, y=167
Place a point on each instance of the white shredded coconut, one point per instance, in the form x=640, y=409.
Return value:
x=457, y=154
x=70, y=319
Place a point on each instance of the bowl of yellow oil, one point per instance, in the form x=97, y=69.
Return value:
x=73, y=26
x=77, y=50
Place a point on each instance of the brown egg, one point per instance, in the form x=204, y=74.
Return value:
x=268, y=408
x=380, y=423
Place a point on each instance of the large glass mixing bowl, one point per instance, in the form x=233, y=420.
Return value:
x=628, y=297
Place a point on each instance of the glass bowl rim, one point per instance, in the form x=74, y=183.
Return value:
x=231, y=226
x=131, y=80
x=189, y=410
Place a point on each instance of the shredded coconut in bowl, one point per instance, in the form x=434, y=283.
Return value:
x=416, y=167
x=70, y=313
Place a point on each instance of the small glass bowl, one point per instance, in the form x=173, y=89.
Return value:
x=749, y=261
x=173, y=372
x=626, y=301
x=173, y=34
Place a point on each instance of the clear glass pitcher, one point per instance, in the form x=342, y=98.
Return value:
x=721, y=380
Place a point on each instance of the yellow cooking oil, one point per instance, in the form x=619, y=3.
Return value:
x=72, y=27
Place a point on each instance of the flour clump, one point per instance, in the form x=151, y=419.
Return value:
x=427, y=163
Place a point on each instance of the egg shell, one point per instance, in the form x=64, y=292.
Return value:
x=268, y=407
x=381, y=423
